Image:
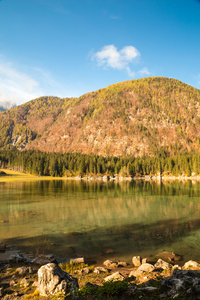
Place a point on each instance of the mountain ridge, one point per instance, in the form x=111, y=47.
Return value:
x=136, y=117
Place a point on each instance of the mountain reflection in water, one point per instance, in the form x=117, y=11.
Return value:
x=72, y=218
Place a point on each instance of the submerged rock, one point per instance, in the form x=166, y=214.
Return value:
x=52, y=280
x=169, y=257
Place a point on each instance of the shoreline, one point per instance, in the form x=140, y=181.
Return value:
x=163, y=275
x=11, y=175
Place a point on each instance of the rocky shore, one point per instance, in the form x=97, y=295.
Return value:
x=157, y=177
x=163, y=276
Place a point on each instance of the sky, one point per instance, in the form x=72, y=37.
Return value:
x=66, y=48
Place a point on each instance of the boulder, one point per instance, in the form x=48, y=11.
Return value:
x=191, y=264
x=115, y=277
x=110, y=264
x=181, y=281
x=142, y=269
x=24, y=270
x=99, y=270
x=176, y=267
x=174, y=286
x=182, y=274
x=132, y=273
x=122, y=264
x=161, y=264
x=44, y=259
x=17, y=257
x=144, y=261
x=79, y=260
x=24, y=282
x=83, y=271
x=52, y=280
x=136, y=260
x=146, y=268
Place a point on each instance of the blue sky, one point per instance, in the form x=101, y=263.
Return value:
x=66, y=48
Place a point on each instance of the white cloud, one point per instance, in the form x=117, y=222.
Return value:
x=16, y=86
x=109, y=56
x=130, y=73
x=144, y=71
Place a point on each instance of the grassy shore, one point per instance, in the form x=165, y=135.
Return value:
x=11, y=175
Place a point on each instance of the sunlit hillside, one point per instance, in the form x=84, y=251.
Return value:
x=129, y=118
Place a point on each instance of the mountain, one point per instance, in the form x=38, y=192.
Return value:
x=134, y=117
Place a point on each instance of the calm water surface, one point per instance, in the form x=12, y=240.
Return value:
x=70, y=218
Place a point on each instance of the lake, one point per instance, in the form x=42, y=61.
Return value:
x=101, y=220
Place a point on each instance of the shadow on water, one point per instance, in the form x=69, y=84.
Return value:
x=101, y=219
x=124, y=241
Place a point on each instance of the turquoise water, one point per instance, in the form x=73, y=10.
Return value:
x=72, y=218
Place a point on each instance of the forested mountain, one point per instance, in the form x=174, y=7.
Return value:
x=132, y=118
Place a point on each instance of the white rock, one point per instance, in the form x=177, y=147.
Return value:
x=110, y=264
x=83, y=271
x=78, y=260
x=115, y=277
x=122, y=263
x=176, y=267
x=143, y=268
x=132, y=273
x=161, y=264
x=144, y=261
x=99, y=270
x=191, y=263
x=53, y=280
x=146, y=268
x=136, y=260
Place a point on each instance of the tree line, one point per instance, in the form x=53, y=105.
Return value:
x=77, y=164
